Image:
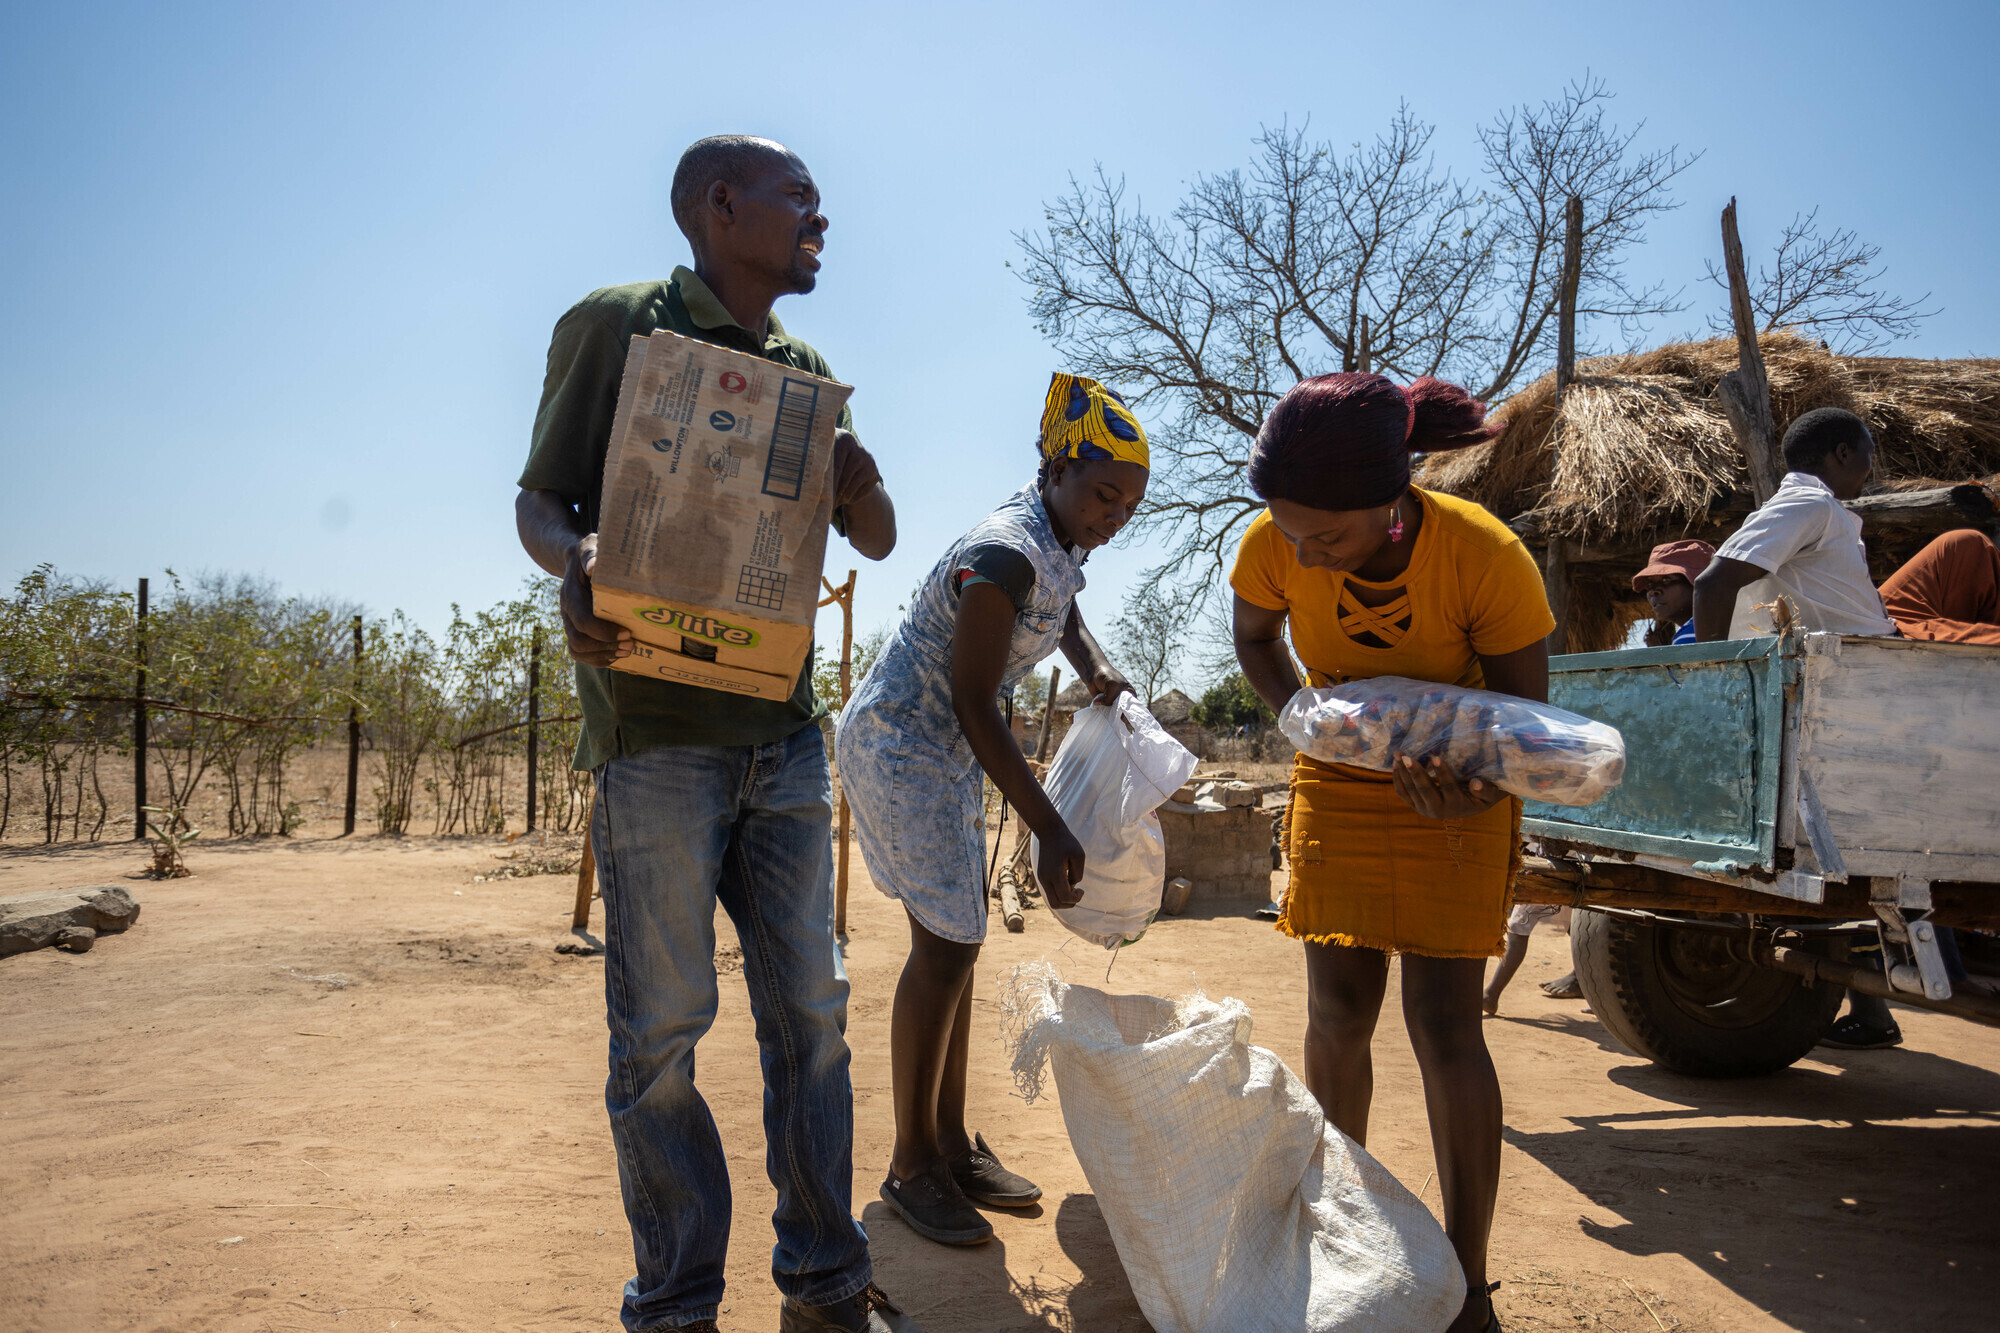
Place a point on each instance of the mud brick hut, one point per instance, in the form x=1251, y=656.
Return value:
x=1643, y=453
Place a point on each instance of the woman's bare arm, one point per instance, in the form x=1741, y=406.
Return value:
x=1260, y=650
x=979, y=648
x=1093, y=665
x=1433, y=790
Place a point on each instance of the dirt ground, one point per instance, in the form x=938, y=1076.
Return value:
x=331, y=1084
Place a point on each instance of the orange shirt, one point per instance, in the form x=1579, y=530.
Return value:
x=1471, y=590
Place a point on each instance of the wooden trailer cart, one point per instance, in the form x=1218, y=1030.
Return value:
x=1784, y=799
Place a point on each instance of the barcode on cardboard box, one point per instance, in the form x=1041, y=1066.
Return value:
x=791, y=439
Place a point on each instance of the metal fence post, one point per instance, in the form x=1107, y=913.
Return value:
x=353, y=735
x=534, y=722
x=139, y=723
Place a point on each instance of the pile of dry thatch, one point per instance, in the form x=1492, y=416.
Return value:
x=1643, y=445
x=1643, y=453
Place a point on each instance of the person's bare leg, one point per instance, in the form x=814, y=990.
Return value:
x=1344, y=989
x=1510, y=963
x=1462, y=1093
x=954, y=1139
x=936, y=979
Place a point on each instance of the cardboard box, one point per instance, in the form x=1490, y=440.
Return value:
x=712, y=530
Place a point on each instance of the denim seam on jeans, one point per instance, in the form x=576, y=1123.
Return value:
x=788, y=1044
x=615, y=902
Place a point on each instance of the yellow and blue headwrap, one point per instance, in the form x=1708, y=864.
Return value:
x=1083, y=419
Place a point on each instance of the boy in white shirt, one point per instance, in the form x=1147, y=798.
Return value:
x=1802, y=543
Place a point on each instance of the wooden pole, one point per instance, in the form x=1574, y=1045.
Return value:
x=1746, y=391
x=1366, y=361
x=586, y=872
x=844, y=595
x=1555, y=567
x=1048, y=714
x=353, y=737
x=139, y=722
x=1010, y=901
x=534, y=722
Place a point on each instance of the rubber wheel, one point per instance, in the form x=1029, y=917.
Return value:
x=1691, y=1001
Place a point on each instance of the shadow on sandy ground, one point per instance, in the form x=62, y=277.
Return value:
x=1874, y=1154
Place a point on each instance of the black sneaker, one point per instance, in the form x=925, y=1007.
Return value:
x=1851, y=1034
x=935, y=1207
x=868, y=1311
x=979, y=1175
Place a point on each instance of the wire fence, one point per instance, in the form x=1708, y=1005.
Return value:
x=219, y=701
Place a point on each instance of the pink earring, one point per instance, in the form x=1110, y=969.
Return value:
x=1395, y=522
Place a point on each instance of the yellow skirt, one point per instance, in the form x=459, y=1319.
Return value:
x=1370, y=872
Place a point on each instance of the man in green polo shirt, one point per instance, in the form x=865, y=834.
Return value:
x=706, y=797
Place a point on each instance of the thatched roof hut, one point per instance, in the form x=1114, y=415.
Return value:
x=1073, y=696
x=1643, y=454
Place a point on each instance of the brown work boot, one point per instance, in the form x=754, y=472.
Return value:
x=867, y=1311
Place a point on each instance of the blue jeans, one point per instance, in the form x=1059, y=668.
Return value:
x=678, y=829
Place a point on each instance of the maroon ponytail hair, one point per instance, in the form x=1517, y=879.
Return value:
x=1344, y=441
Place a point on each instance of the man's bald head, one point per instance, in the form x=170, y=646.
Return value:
x=733, y=159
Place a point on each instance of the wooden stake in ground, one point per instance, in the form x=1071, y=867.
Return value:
x=1555, y=567
x=1746, y=391
x=844, y=595
x=1048, y=715
x=586, y=873
x=1010, y=901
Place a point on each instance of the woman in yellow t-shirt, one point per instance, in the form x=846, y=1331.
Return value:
x=1379, y=578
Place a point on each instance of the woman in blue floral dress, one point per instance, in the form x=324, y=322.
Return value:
x=913, y=744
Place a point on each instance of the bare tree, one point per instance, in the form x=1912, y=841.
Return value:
x=1821, y=283
x=1148, y=640
x=1314, y=259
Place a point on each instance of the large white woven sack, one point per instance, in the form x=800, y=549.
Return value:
x=1234, y=1205
x=1116, y=767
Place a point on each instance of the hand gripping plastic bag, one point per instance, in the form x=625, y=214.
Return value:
x=1116, y=767
x=1535, y=751
x=1235, y=1207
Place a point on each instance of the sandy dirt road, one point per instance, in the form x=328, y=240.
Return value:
x=329, y=1085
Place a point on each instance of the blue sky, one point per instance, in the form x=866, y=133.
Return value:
x=279, y=279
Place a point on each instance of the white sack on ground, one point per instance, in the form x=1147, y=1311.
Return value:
x=1233, y=1204
x=1116, y=767
x=1537, y=752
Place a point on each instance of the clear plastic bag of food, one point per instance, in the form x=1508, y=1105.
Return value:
x=1535, y=751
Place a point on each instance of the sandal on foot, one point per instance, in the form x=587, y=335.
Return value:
x=934, y=1206
x=979, y=1175
x=1851, y=1034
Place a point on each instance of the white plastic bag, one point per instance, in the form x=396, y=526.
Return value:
x=1235, y=1207
x=1116, y=767
x=1536, y=751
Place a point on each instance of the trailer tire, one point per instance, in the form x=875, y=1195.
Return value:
x=1691, y=1001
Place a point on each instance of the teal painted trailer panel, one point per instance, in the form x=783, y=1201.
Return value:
x=1704, y=729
